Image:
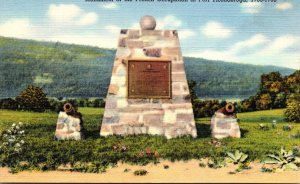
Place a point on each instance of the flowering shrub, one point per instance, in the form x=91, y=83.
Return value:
x=11, y=145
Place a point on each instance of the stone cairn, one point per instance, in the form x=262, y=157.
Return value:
x=224, y=123
x=69, y=124
x=172, y=116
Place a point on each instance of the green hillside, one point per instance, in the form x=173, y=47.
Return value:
x=67, y=70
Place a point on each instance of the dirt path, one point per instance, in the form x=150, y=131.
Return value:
x=177, y=172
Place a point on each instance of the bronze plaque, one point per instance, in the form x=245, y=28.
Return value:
x=149, y=79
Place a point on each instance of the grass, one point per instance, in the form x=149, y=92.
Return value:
x=41, y=149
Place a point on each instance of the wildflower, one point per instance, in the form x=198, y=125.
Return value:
x=4, y=135
x=18, y=145
x=17, y=150
x=141, y=154
x=13, y=125
x=17, y=127
x=11, y=140
x=115, y=147
x=22, y=141
x=148, y=150
x=123, y=148
x=20, y=123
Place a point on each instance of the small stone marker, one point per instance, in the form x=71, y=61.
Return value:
x=224, y=123
x=148, y=91
x=69, y=124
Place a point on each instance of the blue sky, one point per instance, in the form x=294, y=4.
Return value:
x=254, y=33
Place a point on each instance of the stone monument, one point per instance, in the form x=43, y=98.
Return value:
x=224, y=123
x=69, y=124
x=148, y=91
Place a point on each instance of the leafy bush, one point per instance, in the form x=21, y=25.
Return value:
x=292, y=113
x=33, y=99
x=206, y=108
x=140, y=172
x=12, y=145
x=236, y=158
x=285, y=160
x=8, y=103
x=94, y=167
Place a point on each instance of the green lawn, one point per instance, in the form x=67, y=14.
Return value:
x=42, y=149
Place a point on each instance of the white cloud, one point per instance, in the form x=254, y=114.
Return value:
x=215, y=29
x=113, y=28
x=273, y=53
x=254, y=41
x=88, y=19
x=100, y=40
x=18, y=28
x=110, y=6
x=212, y=54
x=168, y=22
x=251, y=7
x=280, y=44
x=186, y=33
x=70, y=14
x=284, y=6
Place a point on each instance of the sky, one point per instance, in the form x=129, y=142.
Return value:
x=265, y=33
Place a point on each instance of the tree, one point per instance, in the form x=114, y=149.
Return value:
x=33, y=99
x=292, y=113
x=264, y=102
x=8, y=103
x=192, y=85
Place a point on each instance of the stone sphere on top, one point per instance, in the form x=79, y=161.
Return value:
x=147, y=22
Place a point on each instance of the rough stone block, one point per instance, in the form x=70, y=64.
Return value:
x=171, y=51
x=123, y=31
x=111, y=119
x=177, y=67
x=178, y=77
x=129, y=118
x=169, y=117
x=118, y=80
x=123, y=52
x=122, y=103
x=67, y=127
x=152, y=32
x=119, y=129
x=113, y=89
x=182, y=117
x=155, y=130
x=153, y=119
x=110, y=103
x=122, y=92
x=134, y=44
x=152, y=52
x=106, y=130
x=122, y=42
x=121, y=70
x=134, y=34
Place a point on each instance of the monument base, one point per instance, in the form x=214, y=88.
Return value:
x=224, y=126
x=67, y=127
x=148, y=91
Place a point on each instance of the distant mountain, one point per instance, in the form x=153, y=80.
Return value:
x=67, y=70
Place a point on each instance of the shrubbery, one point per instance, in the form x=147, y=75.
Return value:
x=34, y=99
x=273, y=93
x=292, y=113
